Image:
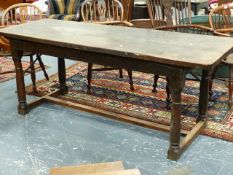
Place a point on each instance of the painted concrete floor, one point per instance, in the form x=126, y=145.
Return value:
x=52, y=135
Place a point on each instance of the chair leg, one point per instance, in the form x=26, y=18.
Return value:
x=120, y=73
x=168, y=99
x=33, y=74
x=38, y=56
x=131, y=80
x=210, y=88
x=211, y=83
x=230, y=85
x=156, y=77
x=89, y=77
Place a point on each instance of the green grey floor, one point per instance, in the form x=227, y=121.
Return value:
x=52, y=135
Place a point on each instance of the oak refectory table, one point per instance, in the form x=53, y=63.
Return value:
x=165, y=53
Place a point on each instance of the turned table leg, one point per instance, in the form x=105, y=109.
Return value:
x=62, y=76
x=176, y=85
x=204, y=95
x=22, y=106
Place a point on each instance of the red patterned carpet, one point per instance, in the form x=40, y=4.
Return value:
x=111, y=93
x=6, y=64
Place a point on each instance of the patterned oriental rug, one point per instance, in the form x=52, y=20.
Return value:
x=111, y=93
x=7, y=64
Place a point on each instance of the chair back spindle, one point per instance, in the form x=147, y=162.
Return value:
x=221, y=18
x=20, y=13
x=102, y=11
x=128, y=9
x=169, y=12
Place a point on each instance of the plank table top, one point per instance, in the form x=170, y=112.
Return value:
x=172, y=48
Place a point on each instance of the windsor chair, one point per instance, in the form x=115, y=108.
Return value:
x=175, y=16
x=221, y=21
x=19, y=14
x=108, y=12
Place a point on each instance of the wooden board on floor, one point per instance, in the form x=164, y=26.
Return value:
x=88, y=168
x=122, y=172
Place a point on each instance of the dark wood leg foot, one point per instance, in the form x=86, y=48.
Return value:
x=62, y=76
x=120, y=73
x=173, y=153
x=89, y=77
x=22, y=106
x=131, y=80
x=156, y=77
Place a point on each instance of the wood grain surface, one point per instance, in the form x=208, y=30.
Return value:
x=185, y=50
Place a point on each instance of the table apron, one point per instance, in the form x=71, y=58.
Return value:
x=100, y=58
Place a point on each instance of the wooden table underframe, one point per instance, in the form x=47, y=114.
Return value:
x=177, y=81
x=143, y=59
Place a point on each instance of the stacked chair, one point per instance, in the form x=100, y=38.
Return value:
x=107, y=12
x=110, y=168
x=221, y=21
x=15, y=15
x=174, y=16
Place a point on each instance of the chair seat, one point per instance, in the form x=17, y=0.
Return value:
x=222, y=70
x=202, y=20
x=198, y=19
x=4, y=53
x=63, y=17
